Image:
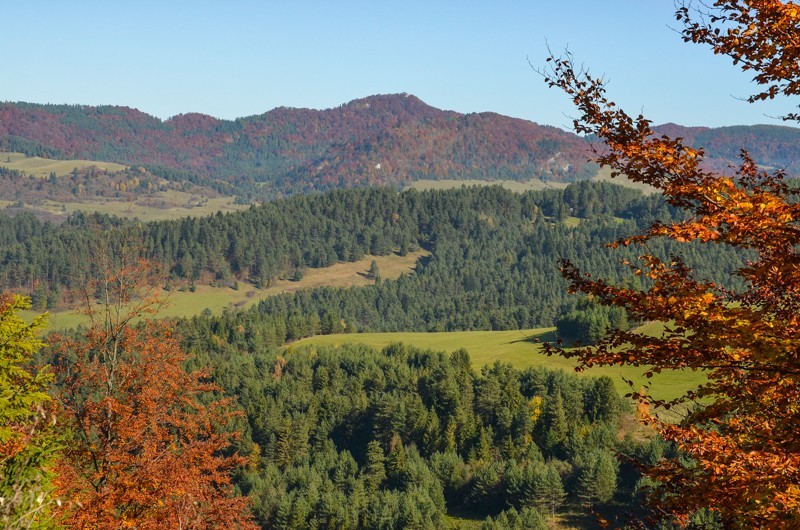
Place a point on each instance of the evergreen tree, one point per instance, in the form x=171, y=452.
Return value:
x=597, y=478
x=375, y=470
x=551, y=490
x=554, y=423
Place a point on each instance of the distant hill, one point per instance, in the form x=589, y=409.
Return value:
x=771, y=146
x=388, y=139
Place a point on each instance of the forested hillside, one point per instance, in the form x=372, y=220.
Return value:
x=380, y=140
x=493, y=260
x=388, y=140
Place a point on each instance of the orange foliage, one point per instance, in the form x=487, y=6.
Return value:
x=762, y=36
x=744, y=438
x=149, y=448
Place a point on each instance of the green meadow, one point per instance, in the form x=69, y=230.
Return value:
x=42, y=167
x=602, y=175
x=522, y=349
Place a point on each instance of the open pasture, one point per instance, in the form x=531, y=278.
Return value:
x=185, y=303
x=522, y=349
x=42, y=167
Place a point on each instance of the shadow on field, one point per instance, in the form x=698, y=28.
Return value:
x=537, y=338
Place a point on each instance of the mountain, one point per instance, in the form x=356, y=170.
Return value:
x=386, y=139
x=771, y=146
x=390, y=140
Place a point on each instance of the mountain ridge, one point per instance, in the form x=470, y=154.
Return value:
x=390, y=139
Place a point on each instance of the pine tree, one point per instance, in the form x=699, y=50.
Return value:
x=551, y=490
x=374, y=272
x=554, y=421
x=375, y=470
x=396, y=464
x=284, y=445
x=597, y=480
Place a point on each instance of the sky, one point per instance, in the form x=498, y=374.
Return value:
x=236, y=58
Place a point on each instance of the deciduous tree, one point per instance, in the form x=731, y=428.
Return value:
x=28, y=442
x=742, y=438
x=149, y=445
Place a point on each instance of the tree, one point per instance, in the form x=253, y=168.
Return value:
x=375, y=470
x=552, y=489
x=149, y=445
x=28, y=442
x=739, y=442
x=374, y=272
x=554, y=423
x=597, y=478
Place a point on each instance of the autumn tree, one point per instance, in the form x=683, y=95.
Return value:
x=28, y=441
x=149, y=444
x=739, y=438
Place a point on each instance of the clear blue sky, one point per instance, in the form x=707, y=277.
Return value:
x=238, y=58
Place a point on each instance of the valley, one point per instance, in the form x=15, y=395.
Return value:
x=373, y=285
x=350, y=266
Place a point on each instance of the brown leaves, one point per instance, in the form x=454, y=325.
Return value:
x=762, y=36
x=147, y=451
x=744, y=440
x=150, y=444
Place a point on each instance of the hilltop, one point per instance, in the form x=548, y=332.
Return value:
x=379, y=140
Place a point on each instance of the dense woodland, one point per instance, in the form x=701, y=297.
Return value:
x=127, y=424
x=355, y=438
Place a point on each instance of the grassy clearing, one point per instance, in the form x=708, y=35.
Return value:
x=351, y=274
x=513, y=185
x=42, y=167
x=172, y=205
x=519, y=348
x=604, y=175
x=187, y=303
x=456, y=522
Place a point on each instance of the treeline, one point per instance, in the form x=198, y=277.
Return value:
x=355, y=438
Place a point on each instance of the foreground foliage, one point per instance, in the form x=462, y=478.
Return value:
x=148, y=443
x=28, y=441
x=741, y=447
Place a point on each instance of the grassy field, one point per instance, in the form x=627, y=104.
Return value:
x=42, y=167
x=513, y=185
x=187, y=303
x=604, y=175
x=176, y=204
x=519, y=348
